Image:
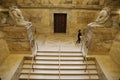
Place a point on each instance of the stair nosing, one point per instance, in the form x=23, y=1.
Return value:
x=60, y=68
x=60, y=73
x=56, y=64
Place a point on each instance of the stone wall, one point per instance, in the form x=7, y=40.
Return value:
x=18, y=38
x=4, y=50
x=43, y=19
x=115, y=49
x=37, y=3
x=115, y=3
x=101, y=40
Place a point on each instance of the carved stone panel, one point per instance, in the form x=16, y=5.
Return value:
x=18, y=38
x=47, y=3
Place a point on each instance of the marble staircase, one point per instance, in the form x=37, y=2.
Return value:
x=59, y=66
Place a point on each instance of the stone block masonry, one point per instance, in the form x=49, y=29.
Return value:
x=18, y=38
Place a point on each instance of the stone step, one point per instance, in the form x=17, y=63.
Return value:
x=90, y=72
x=61, y=54
x=61, y=58
x=56, y=77
x=57, y=73
x=58, y=68
x=61, y=62
x=42, y=63
x=79, y=51
x=61, y=67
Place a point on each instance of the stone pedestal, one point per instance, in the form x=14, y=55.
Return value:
x=100, y=40
x=18, y=38
x=4, y=50
x=115, y=49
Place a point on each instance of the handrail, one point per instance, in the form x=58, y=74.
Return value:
x=31, y=68
x=85, y=51
x=59, y=60
x=33, y=61
x=34, y=55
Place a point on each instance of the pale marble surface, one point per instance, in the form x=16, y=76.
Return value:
x=9, y=65
x=101, y=40
x=58, y=42
x=4, y=50
x=109, y=67
x=115, y=49
x=17, y=38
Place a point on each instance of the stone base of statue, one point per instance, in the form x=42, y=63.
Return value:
x=95, y=25
x=107, y=24
x=4, y=51
x=19, y=38
x=26, y=24
x=115, y=49
x=100, y=39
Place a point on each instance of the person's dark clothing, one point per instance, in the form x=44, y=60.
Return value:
x=79, y=34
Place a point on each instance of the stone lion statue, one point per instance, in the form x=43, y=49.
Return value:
x=103, y=19
x=17, y=17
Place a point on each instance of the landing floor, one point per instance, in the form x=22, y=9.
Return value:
x=58, y=42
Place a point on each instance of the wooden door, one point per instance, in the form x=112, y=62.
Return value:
x=60, y=23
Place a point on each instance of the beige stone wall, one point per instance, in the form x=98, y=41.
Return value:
x=17, y=38
x=101, y=40
x=43, y=19
x=36, y=3
x=115, y=49
x=4, y=51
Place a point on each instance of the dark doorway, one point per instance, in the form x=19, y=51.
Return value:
x=60, y=22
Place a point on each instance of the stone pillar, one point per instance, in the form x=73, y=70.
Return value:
x=4, y=50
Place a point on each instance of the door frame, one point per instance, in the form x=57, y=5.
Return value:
x=65, y=17
x=52, y=12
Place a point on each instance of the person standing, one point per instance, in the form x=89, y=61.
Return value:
x=79, y=36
